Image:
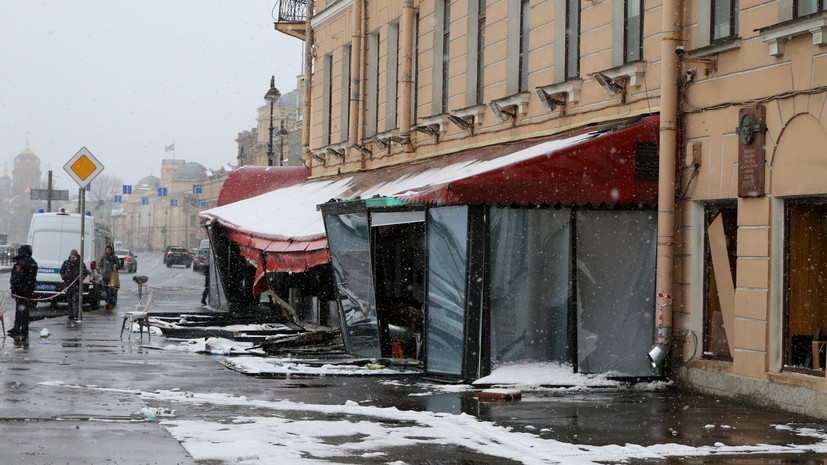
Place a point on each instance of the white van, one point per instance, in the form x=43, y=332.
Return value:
x=52, y=236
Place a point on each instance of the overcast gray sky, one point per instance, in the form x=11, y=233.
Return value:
x=128, y=78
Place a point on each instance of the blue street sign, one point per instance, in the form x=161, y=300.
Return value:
x=162, y=192
x=196, y=188
x=173, y=202
x=89, y=186
x=127, y=189
x=202, y=203
x=144, y=200
x=118, y=199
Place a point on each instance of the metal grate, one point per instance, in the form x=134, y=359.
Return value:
x=646, y=161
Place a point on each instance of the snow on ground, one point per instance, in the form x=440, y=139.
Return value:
x=271, y=366
x=544, y=374
x=212, y=345
x=287, y=433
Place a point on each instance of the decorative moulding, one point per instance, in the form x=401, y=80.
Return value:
x=633, y=72
x=432, y=125
x=776, y=35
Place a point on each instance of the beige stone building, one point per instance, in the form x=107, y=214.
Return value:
x=737, y=86
x=148, y=219
x=750, y=286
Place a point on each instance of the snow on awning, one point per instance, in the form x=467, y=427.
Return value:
x=250, y=181
x=611, y=167
x=594, y=167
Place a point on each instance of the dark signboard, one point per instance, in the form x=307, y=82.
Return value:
x=751, y=131
x=43, y=194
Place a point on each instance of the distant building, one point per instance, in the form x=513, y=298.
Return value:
x=26, y=174
x=153, y=219
x=16, y=207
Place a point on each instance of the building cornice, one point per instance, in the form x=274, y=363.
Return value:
x=330, y=12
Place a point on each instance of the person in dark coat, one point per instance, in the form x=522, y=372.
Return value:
x=70, y=272
x=206, y=293
x=106, y=264
x=23, y=279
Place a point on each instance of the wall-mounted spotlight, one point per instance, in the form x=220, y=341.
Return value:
x=460, y=122
x=427, y=129
x=502, y=113
x=365, y=151
x=608, y=84
x=316, y=157
x=336, y=153
x=549, y=100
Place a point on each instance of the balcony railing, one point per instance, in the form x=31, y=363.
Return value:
x=290, y=11
x=290, y=17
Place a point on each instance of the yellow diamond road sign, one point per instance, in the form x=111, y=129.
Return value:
x=83, y=167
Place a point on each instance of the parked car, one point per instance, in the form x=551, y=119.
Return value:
x=6, y=255
x=201, y=260
x=127, y=261
x=176, y=255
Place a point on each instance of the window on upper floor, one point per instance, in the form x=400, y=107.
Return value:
x=724, y=20
x=439, y=70
x=475, y=57
x=327, y=98
x=633, y=31
x=446, y=56
x=807, y=7
x=480, y=65
x=391, y=76
x=345, y=97
x=717, y=22
x=414, y=65
x=572, y=25
x=525, y=28
x=372, y=91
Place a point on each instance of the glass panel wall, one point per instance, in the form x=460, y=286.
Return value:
x=529, y=285
x=447, y=269
x=349, y=244
x=615, y=291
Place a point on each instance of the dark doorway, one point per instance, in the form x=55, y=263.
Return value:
x=399, y=278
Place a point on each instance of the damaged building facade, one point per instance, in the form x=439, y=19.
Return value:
x=750, y=263
x=508, y=181
x=483, y=199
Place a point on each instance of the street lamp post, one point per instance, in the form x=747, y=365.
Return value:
x=282, y=133
x=272, y=96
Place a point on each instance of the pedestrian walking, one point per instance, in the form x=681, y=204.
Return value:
x=72, y=280
x=23, y=279
x=206, y=292
x=108, y=263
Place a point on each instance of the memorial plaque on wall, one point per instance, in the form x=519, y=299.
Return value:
x=751, y=136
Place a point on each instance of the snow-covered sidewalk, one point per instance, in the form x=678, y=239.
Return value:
x=288, y=432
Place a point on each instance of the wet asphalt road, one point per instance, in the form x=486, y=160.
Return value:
x=44, y=423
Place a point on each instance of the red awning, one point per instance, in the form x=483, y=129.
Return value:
x=273, y=254
x=250, y=181
x=604, y=169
